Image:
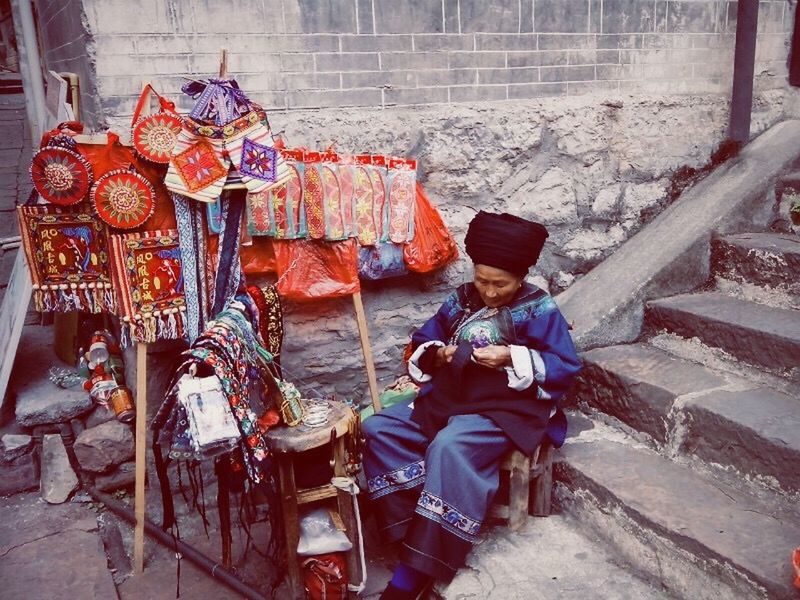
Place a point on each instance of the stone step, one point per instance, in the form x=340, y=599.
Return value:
x=756, y=430
x=699, y=537
x=638, y=384
x=765, y=259
x=714, y=415
x=755, y=333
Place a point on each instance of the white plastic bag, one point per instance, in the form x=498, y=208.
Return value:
x=318, y=534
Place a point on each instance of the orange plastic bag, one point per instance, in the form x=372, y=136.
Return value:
x=796, y=565
x=312, y=269
x=257, y=258
x=433, y=246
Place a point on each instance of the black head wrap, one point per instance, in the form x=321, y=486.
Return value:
x=505, y=242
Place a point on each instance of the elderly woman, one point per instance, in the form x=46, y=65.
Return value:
x=494, y=360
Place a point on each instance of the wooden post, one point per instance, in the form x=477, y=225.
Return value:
x=366, y=348
x=223, y=63
x=141, y=445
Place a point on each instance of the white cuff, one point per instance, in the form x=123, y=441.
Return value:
x=539, y=368
x=413, y=368
x=520, y=373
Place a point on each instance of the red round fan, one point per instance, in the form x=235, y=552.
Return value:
x=154, y=136
x=123, y=199
x=60, y=175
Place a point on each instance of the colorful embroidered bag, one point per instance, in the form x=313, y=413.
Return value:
x=68, y=259
x=154, y=135
x=123, y=198
x=60, y=174
x=148, y=278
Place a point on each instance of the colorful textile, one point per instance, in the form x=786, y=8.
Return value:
x=332, y=206
x=199, y=167
x=380, y=204
x=123, y=199
x=363, y=194
x=402, y=193
x=381, y=261
x=148, y=278
x=60, y=175
x=218, y=101
x=258, y=161
x=432, y=493
x=68, y=259
x=228, y=266
x=314, y=196
x=346, y=174
x=214, y=216
x=270, y=317
x=195, y=264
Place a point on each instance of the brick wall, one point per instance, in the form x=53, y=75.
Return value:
x=67, y=46
x=294, y=54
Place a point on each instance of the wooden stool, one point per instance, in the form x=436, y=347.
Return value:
x=286, y=442
x=522, y=471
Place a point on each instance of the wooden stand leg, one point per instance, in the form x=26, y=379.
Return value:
x=141, y=445
x=291, y=524
x=518, y=489
x=543, y=485
x=366, y=348
x=346, y=511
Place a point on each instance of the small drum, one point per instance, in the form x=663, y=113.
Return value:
x=121, y=402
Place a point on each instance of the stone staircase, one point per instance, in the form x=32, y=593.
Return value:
x=689, y=462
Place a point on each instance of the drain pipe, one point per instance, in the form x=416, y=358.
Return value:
x=201, y=560
x=744, y=63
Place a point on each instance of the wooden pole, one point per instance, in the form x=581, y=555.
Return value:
x=223, y=63
x=366, y=348
x=141, y=445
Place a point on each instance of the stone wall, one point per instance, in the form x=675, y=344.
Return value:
x=294, y=54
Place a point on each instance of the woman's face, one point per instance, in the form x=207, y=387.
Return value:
x=496, y=287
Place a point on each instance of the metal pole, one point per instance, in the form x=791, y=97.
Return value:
x=30, y=67
x=743, y=70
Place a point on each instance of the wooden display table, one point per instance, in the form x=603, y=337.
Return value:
x=286, y=443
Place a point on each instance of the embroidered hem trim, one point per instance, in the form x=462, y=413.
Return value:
x=219, y=132
x=94, y=298
x=436, y=509
x=402, y=478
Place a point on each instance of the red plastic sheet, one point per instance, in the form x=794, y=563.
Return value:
x=432, y=246
x=311, y=269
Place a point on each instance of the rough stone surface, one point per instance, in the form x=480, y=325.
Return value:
x=15, y=445
x=724, y=529
x=51, y=551
x=639, y=197
x=766, y=259
x=638, y=384
x=121, y=477
x=98, y=416
x=545, y=559
x=756, y=430
x=593, y=244
x=18, y=475
x=606, y=201
x=670, y=254
x=758, y=334
x=550, y=200
x=38, y=400
x=58, y=480
x=102, y=447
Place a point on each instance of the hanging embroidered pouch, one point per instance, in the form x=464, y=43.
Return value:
x=313, y=195
x=68, y=259
x=332, y=192
x=380, y=205
x=363, y=196
x=155, y=135
x=60, y=175
x=146, y=268
x=402, y=194
x=123, y=199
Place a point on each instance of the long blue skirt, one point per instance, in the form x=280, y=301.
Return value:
x=433, y=494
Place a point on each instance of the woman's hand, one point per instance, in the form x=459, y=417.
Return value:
x=494, y=357
x=444, y=355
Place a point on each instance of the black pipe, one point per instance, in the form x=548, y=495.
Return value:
x=744, y=64
x=199, y=559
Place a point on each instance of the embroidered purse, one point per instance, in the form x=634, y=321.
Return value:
x=148, y=278
x=154, y=135
x=68, y=259
x=60, y=174
x=123, y=198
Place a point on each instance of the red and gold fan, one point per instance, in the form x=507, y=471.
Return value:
x=61, y=175
x=155, y=135
x=123, y=199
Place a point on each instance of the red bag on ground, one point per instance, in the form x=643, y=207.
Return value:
x=313, y=269
x=433, y=246
x=325, y=576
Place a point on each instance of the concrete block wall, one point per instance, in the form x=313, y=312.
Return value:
x=299, y=54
